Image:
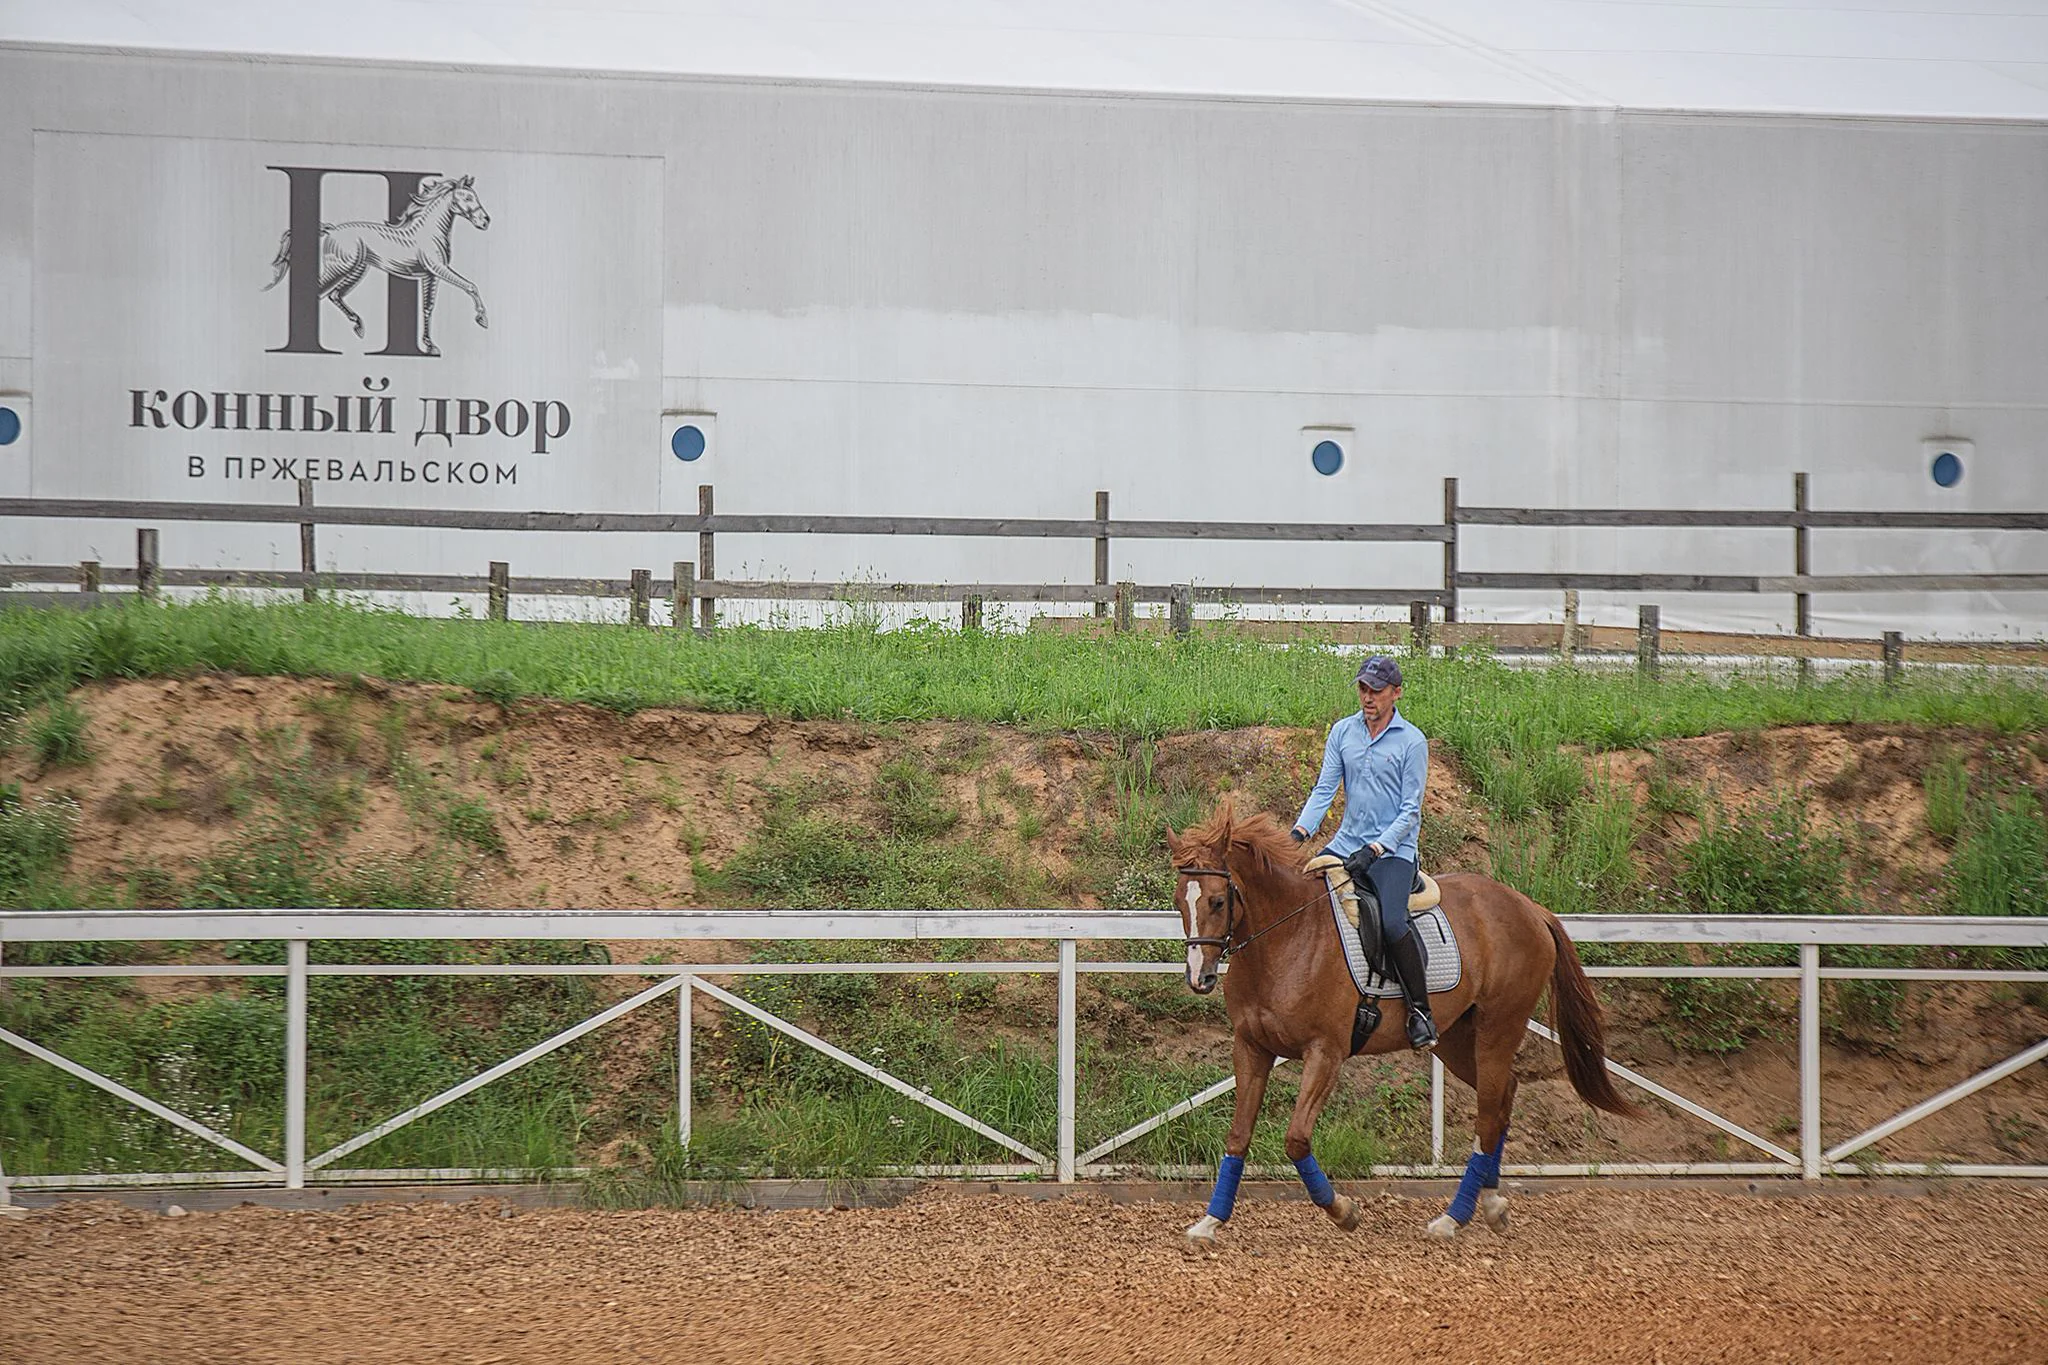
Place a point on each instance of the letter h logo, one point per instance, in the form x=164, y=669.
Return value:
x=327, y=260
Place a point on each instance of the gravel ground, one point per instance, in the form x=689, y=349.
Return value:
x=1582, y=1276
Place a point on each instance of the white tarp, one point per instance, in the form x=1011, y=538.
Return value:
x=1971, y=58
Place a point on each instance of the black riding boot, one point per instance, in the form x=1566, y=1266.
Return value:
x=1410, y=964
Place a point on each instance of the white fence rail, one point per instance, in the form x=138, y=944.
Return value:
x=293, y=1167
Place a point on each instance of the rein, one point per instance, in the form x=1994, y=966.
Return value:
x=1231, y=897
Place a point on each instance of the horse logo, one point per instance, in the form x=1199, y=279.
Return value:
x=415, y=247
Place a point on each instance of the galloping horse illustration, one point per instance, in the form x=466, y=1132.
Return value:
x=1244, y=896
x=413, y=248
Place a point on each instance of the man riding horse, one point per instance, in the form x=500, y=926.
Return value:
x=1383, y=762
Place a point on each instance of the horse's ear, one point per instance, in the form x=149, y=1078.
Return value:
x=1172, y=839
x=468, y=182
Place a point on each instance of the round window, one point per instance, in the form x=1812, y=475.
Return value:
x=1947, y=469
x=1327, y=457
x=687, y=443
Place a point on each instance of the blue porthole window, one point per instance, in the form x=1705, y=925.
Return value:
x=1327, y=457
x=687, y=442
x=1947, y=469
x=10, y=426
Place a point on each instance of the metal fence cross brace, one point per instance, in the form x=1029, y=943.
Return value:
x=873, y=1073
x=142, y=1102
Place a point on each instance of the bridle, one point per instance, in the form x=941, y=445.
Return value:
x=1231, y=897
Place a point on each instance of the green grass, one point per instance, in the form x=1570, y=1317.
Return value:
x=35, y=841
x=1048, y=681
x=809, y=852
x=57, y=734
x=1947, y=784
x=2000, y=866
x=1578, y=860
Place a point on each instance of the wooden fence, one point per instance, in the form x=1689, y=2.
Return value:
x=695, y=582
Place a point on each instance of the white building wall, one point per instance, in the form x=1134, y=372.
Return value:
x=918, y=301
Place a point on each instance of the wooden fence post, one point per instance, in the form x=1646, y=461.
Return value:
x=501, y=590
x=707, y=609
x=148, y=567
x=1568, y=641
x=970, y=612
x=88, y=575
x=1126, y=606
x=1418, y=627
x=1646, y=643
x=1451, y=551
x=307, y=561
x=1894, y=657
x=682, y=593
x=1101, y=550
x=1802, y=604
x=1180, y=608
x=643, y=580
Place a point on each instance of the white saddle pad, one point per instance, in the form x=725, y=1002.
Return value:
x=1440, y=945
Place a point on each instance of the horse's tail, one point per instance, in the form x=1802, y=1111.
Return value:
x=283, y=261
x=1576, y=1016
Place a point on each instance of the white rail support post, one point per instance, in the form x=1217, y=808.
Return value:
x=683, y=1002
x=295, y=1065
x=1436, y=1111
x=1068, y=956
x=1568, y=638
x=1809, y=1061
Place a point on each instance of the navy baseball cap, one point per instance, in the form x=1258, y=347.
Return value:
x=1379, y=672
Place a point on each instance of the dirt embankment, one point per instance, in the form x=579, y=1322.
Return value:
x=548, y=805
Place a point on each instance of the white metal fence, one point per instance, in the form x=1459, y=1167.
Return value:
x=294, y=1166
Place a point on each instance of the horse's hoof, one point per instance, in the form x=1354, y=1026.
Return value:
x=1202, y=1236
x=359, y=326
x=1443, y=1227
x=1345, y=1213
x=482, y=321
x=1493, y=1211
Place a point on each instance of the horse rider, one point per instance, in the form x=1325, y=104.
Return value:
x=1383, y=762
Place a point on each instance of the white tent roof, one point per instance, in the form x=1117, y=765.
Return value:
x=1967, y=58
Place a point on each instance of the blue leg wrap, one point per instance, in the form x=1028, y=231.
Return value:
x=1228, y=1172
x=1318, y=1183
x=1482, y=1172
x=1492, y=1159
x=1466, y=1202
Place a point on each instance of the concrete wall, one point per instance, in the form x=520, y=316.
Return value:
x=907, y=301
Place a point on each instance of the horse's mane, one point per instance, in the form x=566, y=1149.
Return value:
x=432, y=188
x=1256, y=834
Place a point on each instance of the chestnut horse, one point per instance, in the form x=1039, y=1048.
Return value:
x=1244, y=897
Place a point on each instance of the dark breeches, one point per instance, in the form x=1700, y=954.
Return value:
x=1392, y=878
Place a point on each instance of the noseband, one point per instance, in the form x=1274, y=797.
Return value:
x=1231, y=896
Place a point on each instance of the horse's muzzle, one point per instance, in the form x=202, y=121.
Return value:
x=1202, y=983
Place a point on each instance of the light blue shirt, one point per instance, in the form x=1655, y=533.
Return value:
x=1383, y=780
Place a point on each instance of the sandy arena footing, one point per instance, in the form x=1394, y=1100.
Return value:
x=1951, y=1272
